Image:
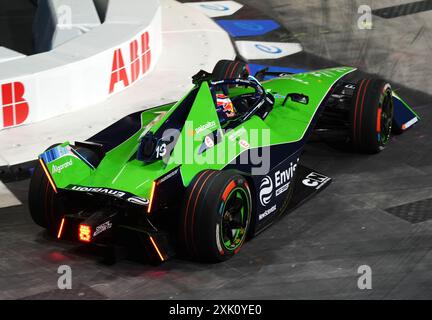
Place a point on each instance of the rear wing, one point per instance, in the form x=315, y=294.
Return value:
x=64, y=165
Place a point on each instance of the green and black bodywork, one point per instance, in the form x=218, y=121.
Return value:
x=175, y=178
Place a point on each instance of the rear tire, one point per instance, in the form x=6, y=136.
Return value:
x=44, y=205
x=371, y=115
x=216, y=215
x=228, y=69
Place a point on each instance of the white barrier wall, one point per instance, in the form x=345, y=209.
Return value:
x=86, y=70
x=9, y=55
x=191, y=41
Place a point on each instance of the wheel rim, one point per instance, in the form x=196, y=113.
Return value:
x=235, y=215
x=386, y=119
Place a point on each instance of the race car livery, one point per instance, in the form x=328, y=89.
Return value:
x=182, y=179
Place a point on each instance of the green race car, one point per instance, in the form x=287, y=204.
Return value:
x=200, y=176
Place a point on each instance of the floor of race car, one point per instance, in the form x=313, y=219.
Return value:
x=377, y=212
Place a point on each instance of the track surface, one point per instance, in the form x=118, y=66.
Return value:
x=315, y=251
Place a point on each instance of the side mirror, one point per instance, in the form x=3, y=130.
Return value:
x=297, y=97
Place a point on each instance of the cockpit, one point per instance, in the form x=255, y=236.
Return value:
x=237, y=100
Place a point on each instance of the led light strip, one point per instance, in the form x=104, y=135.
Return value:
x=157, y=249
x=410, y=123
x=61, y=228
x=151, y=196
x=45, y=169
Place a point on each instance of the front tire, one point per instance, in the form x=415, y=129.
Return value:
x=371, y=115
x=229, y=69
x=216, y=215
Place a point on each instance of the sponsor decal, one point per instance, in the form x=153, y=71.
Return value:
x=266, y=191
x=262, y=50
x=282, y=181
x=279, y=96
x=168, y=176
x=103, y=227
x=56, y=153
x=282, y=189
x=315, y=180
x=59, y=168
x=279, y=184
x=267, y=212
x=268, y=49
x=138, y=201
x=209, y=142
x=215, y=9
x=140, y=61
x=283, y=178
x=106, y=191
x=244, y=144
x=14, y=106
x=111, y=192
x=245, y=28
x=237, y=134
x=207, y=126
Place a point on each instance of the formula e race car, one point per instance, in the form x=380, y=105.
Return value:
x=200, y=176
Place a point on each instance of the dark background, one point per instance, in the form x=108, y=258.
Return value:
x=16, y=18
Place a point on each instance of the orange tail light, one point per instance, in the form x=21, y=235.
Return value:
x=48, y=175
x=84, y=233
x=61, y=228
x=156, y=248
x=151, y=197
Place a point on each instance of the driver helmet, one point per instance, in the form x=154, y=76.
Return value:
x=224, y=107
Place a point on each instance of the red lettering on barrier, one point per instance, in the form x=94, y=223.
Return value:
x=135, y=64
x=15, y=107
x=140, y=61
x=118, y=71
x=145, y=53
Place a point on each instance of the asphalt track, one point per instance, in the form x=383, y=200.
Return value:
x=315, y=252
